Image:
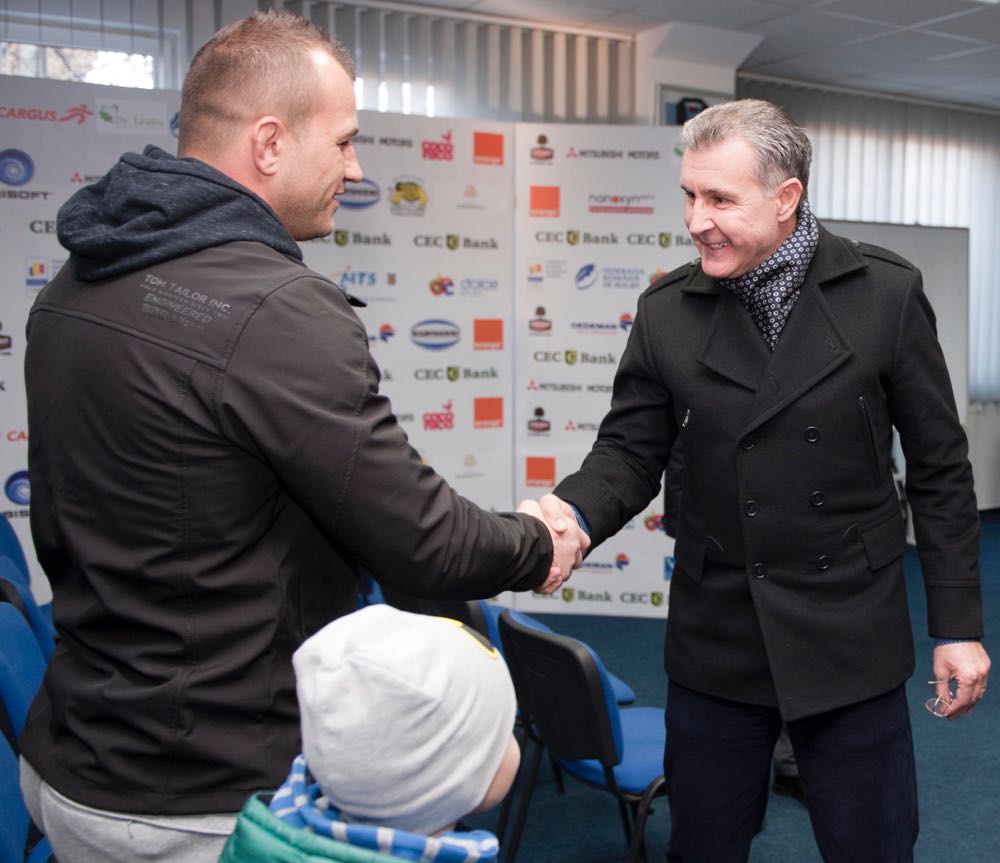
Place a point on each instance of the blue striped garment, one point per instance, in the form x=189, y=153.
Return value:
x=300, y=803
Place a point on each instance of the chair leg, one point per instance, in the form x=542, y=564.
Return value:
x=623, y=810
x=522, y=810
x=557, y=772
x=523, y=739
x=636, y=848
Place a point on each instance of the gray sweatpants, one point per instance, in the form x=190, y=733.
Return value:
x=81, y=834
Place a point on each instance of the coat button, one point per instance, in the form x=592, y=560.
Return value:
x=817, y=499
x=751, y=508
x=822, y=563
x=812, y=434
x=759, y=570
x=747, y=443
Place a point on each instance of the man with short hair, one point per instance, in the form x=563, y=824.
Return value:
x=212, y=463
x=782, y=359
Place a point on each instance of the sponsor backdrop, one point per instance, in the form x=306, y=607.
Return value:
x=501, y=264
x=598, y=220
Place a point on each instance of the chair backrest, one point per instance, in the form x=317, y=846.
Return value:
x=564, y=690
x=22, y=665
x=469, y=612
x=10, y=546
x=21, y=597
x=15, y=820
x=491, y=616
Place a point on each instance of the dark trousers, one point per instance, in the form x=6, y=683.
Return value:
x=856, y=765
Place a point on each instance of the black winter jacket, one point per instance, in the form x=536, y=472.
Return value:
x=211, y=463
x=788, y=588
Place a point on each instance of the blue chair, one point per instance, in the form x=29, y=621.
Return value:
x=12, y=590
x=10, y=546
x=22, y=666
x=570, y=710
x=20, y=839
x=624, y=694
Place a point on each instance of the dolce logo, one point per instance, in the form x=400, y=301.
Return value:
x=42, y=226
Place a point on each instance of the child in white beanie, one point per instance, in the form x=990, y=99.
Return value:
x=407, y=725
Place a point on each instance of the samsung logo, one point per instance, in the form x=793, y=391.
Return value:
x=435, y=334
x=357, y=196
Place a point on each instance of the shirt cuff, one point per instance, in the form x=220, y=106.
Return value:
x=580, y=520
x=938, y=642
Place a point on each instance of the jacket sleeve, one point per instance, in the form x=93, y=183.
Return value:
x=622, y=472
x=301, y=391
x=939, y=485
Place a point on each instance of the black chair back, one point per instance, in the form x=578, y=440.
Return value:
x=560, y=689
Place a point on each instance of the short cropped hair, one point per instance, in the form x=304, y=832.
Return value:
x=258, y=64
x=780, y=145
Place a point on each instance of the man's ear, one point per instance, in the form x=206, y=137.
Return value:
x=787, y=197
x=268, y=144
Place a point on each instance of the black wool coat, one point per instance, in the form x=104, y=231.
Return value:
x=788, y=588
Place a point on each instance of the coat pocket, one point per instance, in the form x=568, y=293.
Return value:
x=868, y=435
x=689, y=558
x=884, y=542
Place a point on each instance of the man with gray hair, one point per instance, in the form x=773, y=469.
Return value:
x=782, y=359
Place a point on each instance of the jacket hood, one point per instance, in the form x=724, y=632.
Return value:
x=155, y=207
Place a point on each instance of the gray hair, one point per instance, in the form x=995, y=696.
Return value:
x=780, y=145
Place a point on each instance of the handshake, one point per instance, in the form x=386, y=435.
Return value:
x=569, y=542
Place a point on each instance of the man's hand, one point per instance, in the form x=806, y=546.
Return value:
x=569, y=543
x=967, y=663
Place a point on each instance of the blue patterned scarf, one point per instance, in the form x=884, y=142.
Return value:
x=300, y=803
x=770, y=289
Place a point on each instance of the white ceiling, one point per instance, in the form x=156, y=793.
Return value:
x=941, y=50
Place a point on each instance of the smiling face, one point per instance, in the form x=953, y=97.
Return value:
x=735, y=223
x=320, y=157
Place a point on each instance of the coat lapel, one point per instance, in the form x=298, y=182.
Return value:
x=733, y=346
x=812, y=344
x=810, y=347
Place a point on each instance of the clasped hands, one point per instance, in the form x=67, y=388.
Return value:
x=569, y=542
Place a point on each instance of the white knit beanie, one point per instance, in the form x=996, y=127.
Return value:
x=405, y=717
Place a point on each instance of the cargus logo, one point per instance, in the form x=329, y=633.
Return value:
x=487, y=148
x=487, y=413
x=80, y=113
x=544, y=202
x=540, y=471
x=487, y=334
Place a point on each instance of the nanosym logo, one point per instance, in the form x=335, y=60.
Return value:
x=18, y=489
x=357, y=196
x=16, y=167
x=435, y=334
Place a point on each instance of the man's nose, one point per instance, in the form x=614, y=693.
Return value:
x=699, y=219
x=353, y=171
